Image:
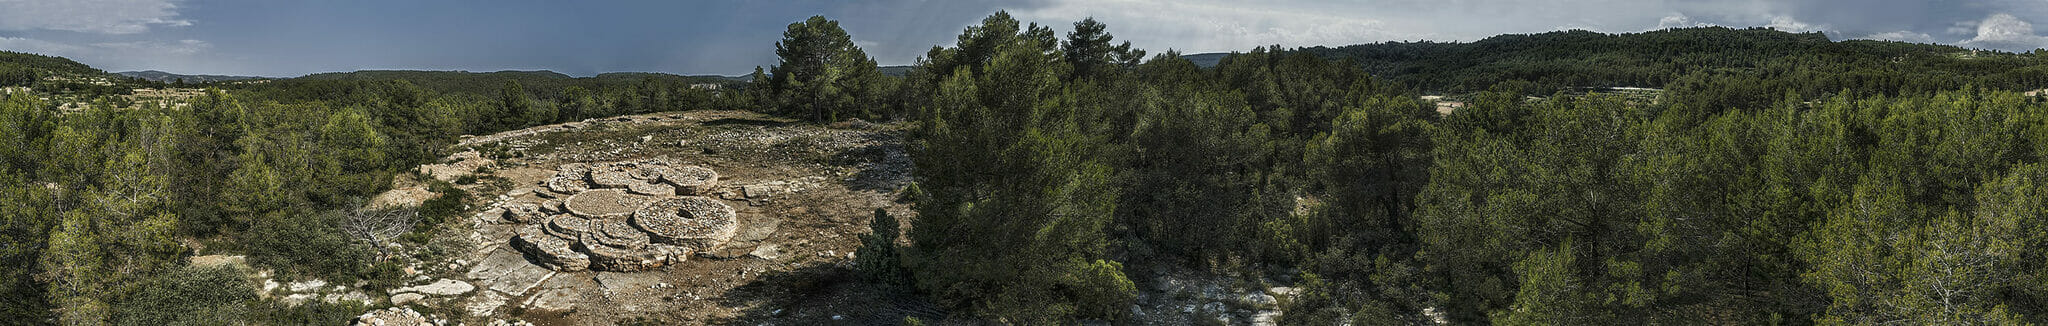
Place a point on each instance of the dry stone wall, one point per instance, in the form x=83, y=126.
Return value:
x=622, y=216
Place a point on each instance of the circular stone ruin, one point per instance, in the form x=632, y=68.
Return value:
x=624, y=216
x=698, y=222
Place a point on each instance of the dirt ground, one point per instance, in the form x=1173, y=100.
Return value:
x=804, y=194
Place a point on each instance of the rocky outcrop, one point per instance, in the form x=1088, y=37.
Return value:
x=524, y=213
x=460, y=164
x=442, y=287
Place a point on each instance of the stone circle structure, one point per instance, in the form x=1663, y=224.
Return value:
x=623, y=216
x=690, y=180
x=699, y=222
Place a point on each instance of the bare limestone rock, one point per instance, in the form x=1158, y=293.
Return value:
x=569, y=178
x=464, y=163
x=442, y=287
x=402, y=197
x=524, y=213
x=697, y=222
x=551, y=251
x=486, y=304
x=554, y=300
x=393, y=316
x=756, y=191
x=405, y=298
x=567, y=185
x=691, y=180
x=573, y=170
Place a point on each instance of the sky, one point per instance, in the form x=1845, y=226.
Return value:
x=287, y=38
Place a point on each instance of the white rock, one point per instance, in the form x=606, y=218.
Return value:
x=1260, y=300
x=358, y=297
x=1283, y=291
x=442, y=287
x=483, y=305
x=296, y=299
x=1266, y=318
x=308, y=285
x=554, y=300
x=767, y=251
x=405, y=298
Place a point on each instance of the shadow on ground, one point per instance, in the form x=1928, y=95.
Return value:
x=823, y=295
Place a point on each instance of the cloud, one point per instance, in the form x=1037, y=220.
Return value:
x=1214, y=25
x=1787, y=24
x=1901, y=36
x=90, y=16
x=1678, y=21
x=2005, y=32
x=29, y=45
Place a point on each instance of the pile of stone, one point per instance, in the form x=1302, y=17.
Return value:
x=623, y=216
x=393, y=316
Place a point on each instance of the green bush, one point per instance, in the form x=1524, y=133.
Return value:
x=313, y=312
x=1101, y=290
x=877, y=260
x=308, y=245
x=449, y=204
x=187, y=296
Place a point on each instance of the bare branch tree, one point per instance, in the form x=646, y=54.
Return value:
x=378, y=226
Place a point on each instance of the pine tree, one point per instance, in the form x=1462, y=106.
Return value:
x=822, y=75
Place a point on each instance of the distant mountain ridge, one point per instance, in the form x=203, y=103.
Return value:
x=165, y=77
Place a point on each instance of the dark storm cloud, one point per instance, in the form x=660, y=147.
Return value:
x=289, y=38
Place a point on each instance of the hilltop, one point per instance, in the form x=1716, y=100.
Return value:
x=1562, y=60
x=165, y=77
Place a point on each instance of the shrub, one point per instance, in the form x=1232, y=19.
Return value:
x=313, y=312
x=877, y=259
x=187, y=296
x=448, y=204
x=309, y=245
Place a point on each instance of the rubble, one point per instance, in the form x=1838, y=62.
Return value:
x=393, y=316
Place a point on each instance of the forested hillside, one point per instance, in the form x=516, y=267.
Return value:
x=1781, y=179
x=1807, y=63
